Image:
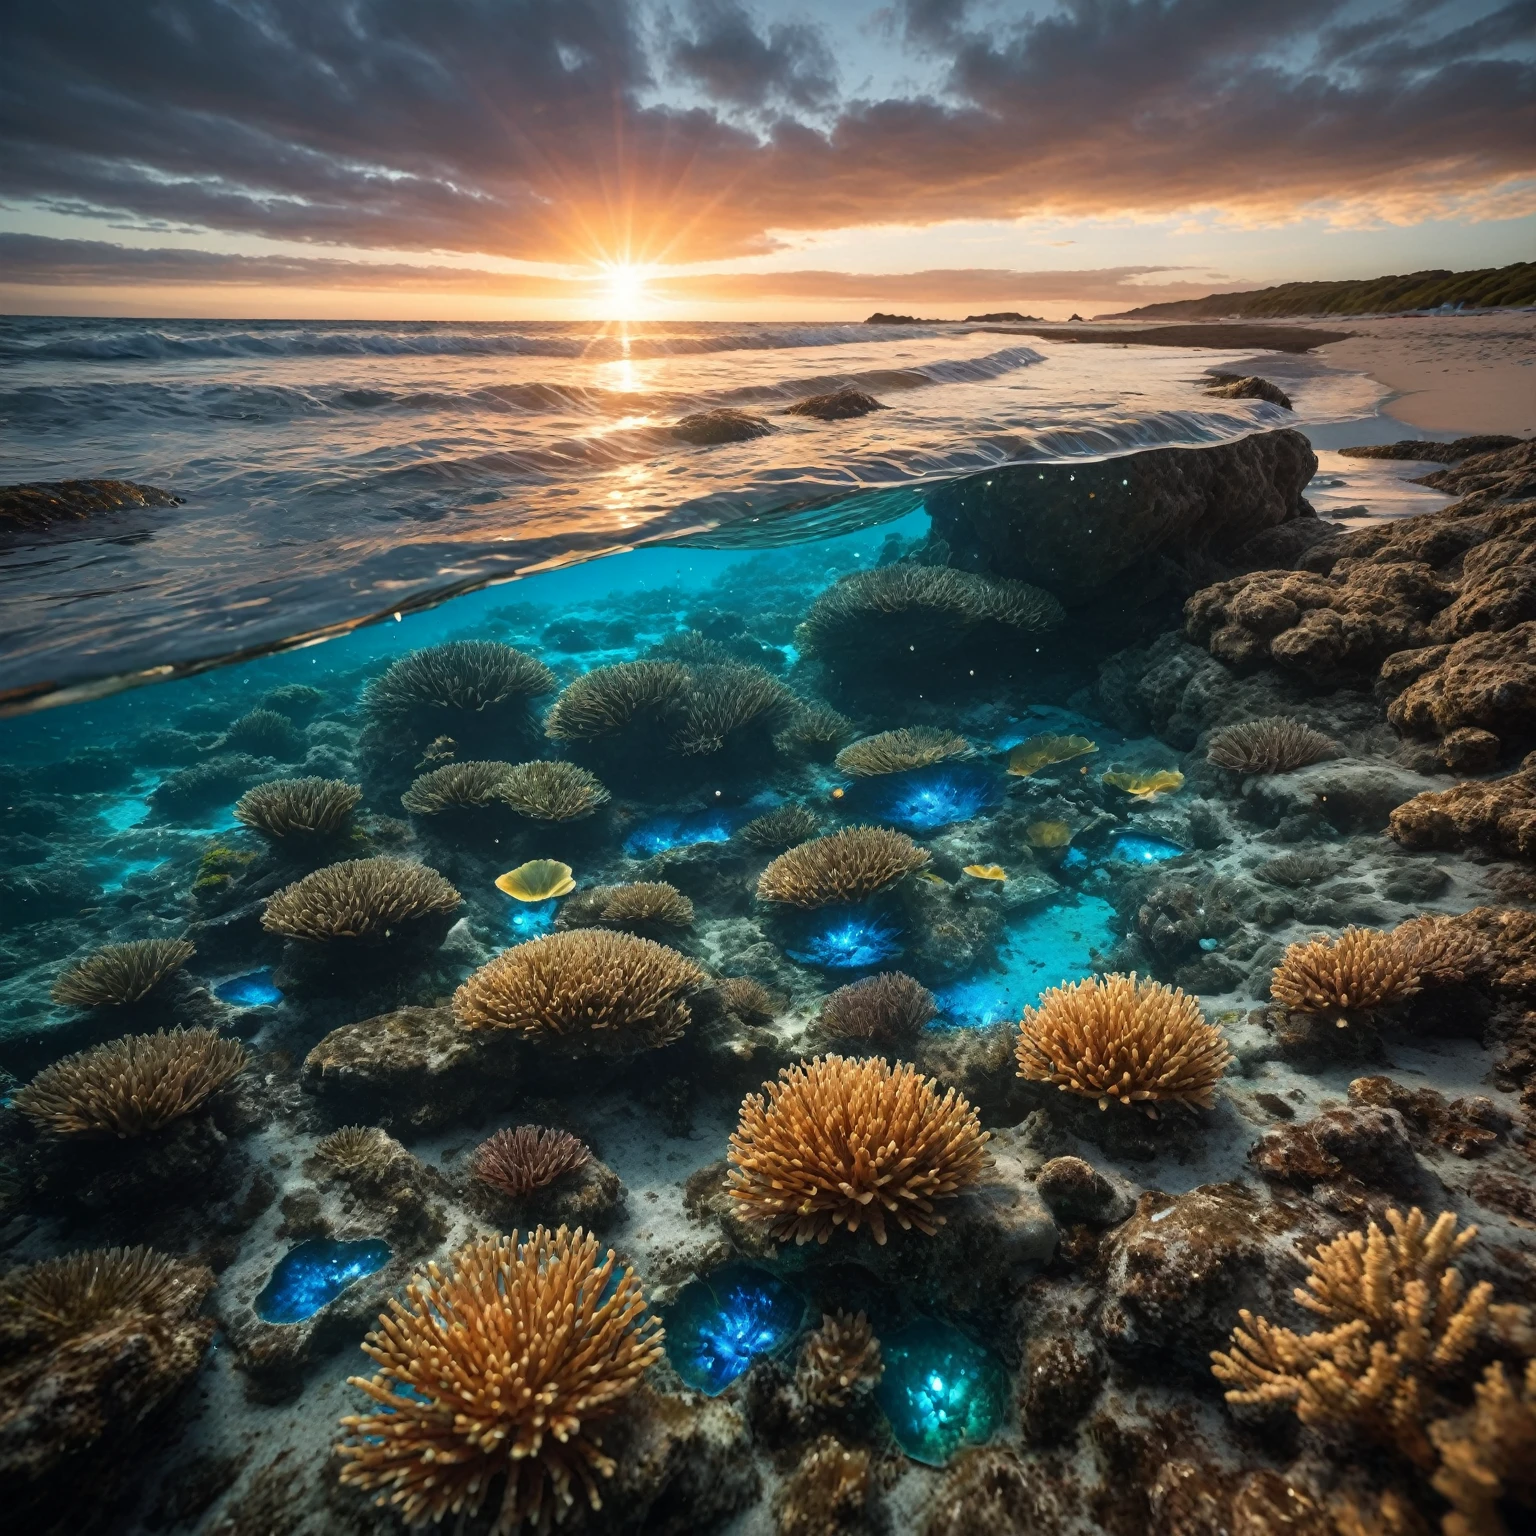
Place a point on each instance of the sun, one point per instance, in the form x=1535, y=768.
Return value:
x=623, y=294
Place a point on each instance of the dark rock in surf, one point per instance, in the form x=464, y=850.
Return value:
x=43, y=504
x=841, y=405
x=1234, y=386
x=707, y=429
x=1432, y=453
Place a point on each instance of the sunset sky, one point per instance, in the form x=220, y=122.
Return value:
x=714, y=159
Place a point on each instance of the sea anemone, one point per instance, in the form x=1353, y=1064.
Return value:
x=551, y=791
x=643, y=904
x=849, y=1143
x=1115, y=1038
x=354, y=1147
x=537, y=880
x=1360, y=971
x=749, y=1000
x=722, y=700
x=265, y=733
x=131, y=1086
x=121, y=973
x=838, y=1361
x=456, y=786
x=781, y=828
x=359, y=901
x=608, y=701
x=1274, y=744
x=897, y=751
x=886, y=1008
x=462, y=678
x=815, y=731
x=1038, y=752
x=1293, y=870
x=843, y=866
x=1147, y=786
x=299, y=810
x=587, y=990
x=517, y=1162
x=499, y=1368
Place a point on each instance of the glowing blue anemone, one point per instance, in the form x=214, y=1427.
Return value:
x=677, y=832
x=718, y=1325
x=530, y=919
x=925, y=799
x=255, y=989
x=1141, y=848
x=844, y=940
x=314, y=1274
x=940, y=1391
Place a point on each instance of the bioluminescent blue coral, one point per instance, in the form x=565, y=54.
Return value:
x=255, y=989
x=840, y=940
x=677, y=832
x=721, y=1323
x=1074, y=858
x=1142, y=848
x=940, y=1391
x=925, y=799
x=316, y=1273
x=529, y=920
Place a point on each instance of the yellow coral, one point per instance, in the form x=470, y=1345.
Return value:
x=1147, y=786
x=1042, y=751
x=986, y=871
x=898, y=751
x=1048, y=834
x=1489, y=1458
x=537, y=880
x=1362, y=970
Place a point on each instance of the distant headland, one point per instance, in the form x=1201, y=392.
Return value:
x=1011, y=315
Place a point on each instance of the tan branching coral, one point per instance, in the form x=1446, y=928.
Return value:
x=848, y=1143
x=781, y=828
x=552, y=791
x=721, y=700
x=608, y=700
x=839, y=1360
x=464, y=676
x=588, y=990
x=748, y=1000
x=1401, y=1316
x=519, y=1161
x=364, y=900
x=843, y=866
x=1441, y=949
x=828, y=1492
x=1360, y=971
x=643, y=904
x=131, y=1086
x=887, y=1008
x=299, y=810
x=502, y=1365
x=1117, y=1038
x=118, y=974
x=456, y=787
x=1273, y=744
x=816, y=731
x=1488, y=1457
x=897, y=751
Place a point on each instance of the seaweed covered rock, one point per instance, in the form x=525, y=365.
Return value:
x=1228, y=386
x=44, y=504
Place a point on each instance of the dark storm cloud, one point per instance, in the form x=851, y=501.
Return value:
x=541, y=128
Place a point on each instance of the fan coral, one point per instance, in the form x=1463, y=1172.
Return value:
x=1490, y=1458
x=1029, y=757
x=781, y=828
x=1048, y=834
x=816, y=732
x=1271, y=745
x=986, y=872
x=1296, y=869
x=551, y=791
x=353, y=1147
x=747, y=999
x=1360, y=971
x=265, y=733
x=720, y=700
x=584, y=990
x=121, y=973
x=843, y=866
x=642, y=904
x=520, y=1161
x=839, y=1360
x=1117, y=1038
x=537, y=880
x=610, y=700
x=456, y=786
x=1147, y=786
x=500, y=1367
x=1441, y=949
x=464, y=676
x=886, y=1008
x=850, y=1143
x=363, y=900
x=299, y=809
x=896, y=751
x=1401, y=1316
x=131, y=1086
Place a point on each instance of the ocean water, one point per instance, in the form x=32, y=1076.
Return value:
x=359, y=495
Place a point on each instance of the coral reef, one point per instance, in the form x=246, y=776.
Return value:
x=118, y=974
x=1360, y=971
x=1122, y=1039
x=815, y=731
x=608, y=701
x=641, y=905
x=884, y=1009
x=838, y=1361
x=551, y=791
x=265, y=733
x=131, y=1086
x=781, y=828
x=499, y=1368
x=360, y=901
x=897, y=751
x=456, y=786
x=587, y=990
x=299, y=810
x=841, y=867
x=852, y=1143
x=1489, y=1459
x=445, y=683
x=526, y=1158
x=1274, y=744
x=1499, y=814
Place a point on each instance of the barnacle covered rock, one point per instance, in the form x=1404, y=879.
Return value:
x=299, y=810
x=836, y=1142
x=1360, y=971
x=886, y=1008
x=546, y=790
x=843, y=866
x=1274, y=744
x=1498, y=814
x=117, y=974
x=583, y=991
x=456, y=786
x=641, y=905
x=897, y=751
x=1122, y=1039
x=361, y=902
x=781, y=828
x=500, y=1365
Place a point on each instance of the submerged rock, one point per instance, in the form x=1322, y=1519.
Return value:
x=1351, y=795
x=1229, y=386
x=706, y=429
x=43, y=504
x=1352, y=1152
x=841, y=405
x=1077, y=1191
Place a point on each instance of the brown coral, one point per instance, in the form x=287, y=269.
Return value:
x=889, y=1007
x=643, y=904
x=354, y=1147
x=264, y=733
x=721, y=700
x=1488, y=1459
x=299, y=810
x=131, y=1086
x=456, y=786
x=362, y=900
x=500, y=1367
x=839, y=1360
x=1121, y=1039
x=588, y=990
x=843, y=866
x=781, y=828
x=1273, y=744
x=519, y=1161
x=1441, y=949
x=463, y=676
x=850, y=1143
x=1499, y=814
x=748, y=1000
x=608, y=701
x=551, y=791
x=816, y=731
x=1360, y=971
x=829, y=1491
x=897, y=751
x=118, y=974
x=1401, y=1317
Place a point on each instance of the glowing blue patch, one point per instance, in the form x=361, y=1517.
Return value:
x=1141, y=848
x=925, y=799
x=940, y=1391
x=314, y=1274
x=719, y=1325
x=848, y=941
x=123, y=814
x=677, y=832
x=253, y=990
x=530, y=919
x=1074, y=858
x=1210, y=945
